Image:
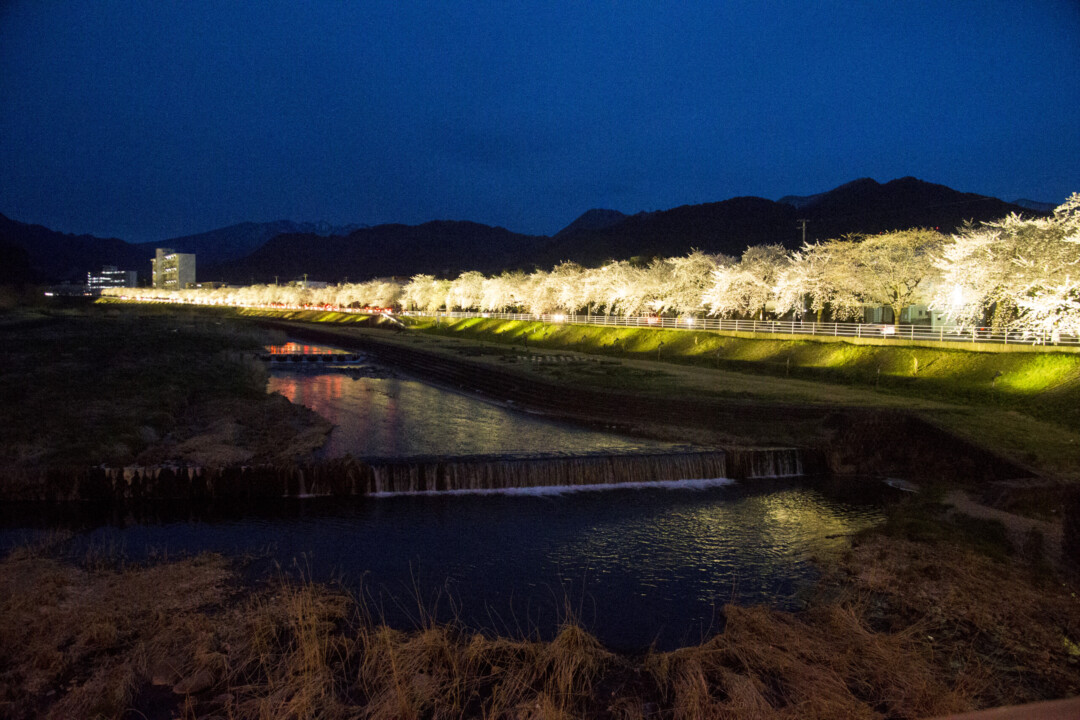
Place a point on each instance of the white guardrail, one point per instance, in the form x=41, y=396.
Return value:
x=925, y=333
x=940, y=333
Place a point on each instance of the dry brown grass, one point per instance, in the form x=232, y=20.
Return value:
x=910, y=630
x=998, y=631
x=898, y=630
x=78, y=642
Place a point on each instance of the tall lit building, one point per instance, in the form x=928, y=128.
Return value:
x=173, y=270
x=110, y=277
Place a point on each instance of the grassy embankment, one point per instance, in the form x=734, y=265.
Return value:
x=897, y=628
x=140, y=384
x=1024, y=404
x=932, y=613
x=1038, y=383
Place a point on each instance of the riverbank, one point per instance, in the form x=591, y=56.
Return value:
x=1040, y=387
x=859, y=431
x=1021, y=407
x=142, y=385
x=1038, y=380
x=934, y=613
x=931, y=614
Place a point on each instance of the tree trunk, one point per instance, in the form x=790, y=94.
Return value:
x=1004, y=314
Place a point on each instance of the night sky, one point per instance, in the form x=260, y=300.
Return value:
x=149, y=120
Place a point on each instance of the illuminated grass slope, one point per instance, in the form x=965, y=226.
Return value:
x=1045, y=384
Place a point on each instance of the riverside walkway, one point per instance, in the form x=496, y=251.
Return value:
x=953, y=334
x=950, y=335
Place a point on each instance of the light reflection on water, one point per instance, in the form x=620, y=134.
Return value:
x=295, y=348
x=639, y=565
x=397, y=417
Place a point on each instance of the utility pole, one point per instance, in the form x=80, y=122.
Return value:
x=802, y=222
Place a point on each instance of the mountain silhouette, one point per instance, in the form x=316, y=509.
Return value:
x=285, y=250
x=595, y=219
x=866, y=206
x=52, y=256
x=729, y=227
x=236, y=241
x=1042, y=207
x=722, y=227
x=439, y=247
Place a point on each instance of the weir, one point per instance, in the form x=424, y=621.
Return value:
x=322, y=358
x=354, y=477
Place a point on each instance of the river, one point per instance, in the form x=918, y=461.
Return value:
x=638, y=566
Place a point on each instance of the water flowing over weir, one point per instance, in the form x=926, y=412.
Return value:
x=349, y=476
x=503, y=473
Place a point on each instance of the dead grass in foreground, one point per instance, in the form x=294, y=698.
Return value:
x=899, y=629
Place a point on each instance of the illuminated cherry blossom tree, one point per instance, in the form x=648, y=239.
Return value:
x=813, y=281
x=502, y=292
x=748, y=286
x=690, y=277
x=466, y=291
x=425, y=292
x=1023, y=271
x=894, y=269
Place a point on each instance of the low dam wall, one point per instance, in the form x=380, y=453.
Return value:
x=319, y=358
x=352, y=477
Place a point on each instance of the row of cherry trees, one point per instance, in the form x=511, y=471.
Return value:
x=1020, y=272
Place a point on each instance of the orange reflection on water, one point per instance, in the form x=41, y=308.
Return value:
x=314, y=392
x=292, y=348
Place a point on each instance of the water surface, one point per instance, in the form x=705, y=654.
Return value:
x=380, y=416
x=637, y=565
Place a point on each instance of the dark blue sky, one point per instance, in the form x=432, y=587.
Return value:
x=148, y=120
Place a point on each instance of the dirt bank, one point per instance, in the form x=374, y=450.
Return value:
x=898, y=628
x=128, y=385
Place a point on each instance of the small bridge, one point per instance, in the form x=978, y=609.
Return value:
x=321, y=358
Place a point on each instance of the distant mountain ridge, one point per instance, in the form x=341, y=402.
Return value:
x=800, y=201
x=730, y=226
x=46, y=255
x=439, y=247
x=1035, y=205
x=236, y=241
x=595, y=219
x=868, y=206
x=287, y=250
